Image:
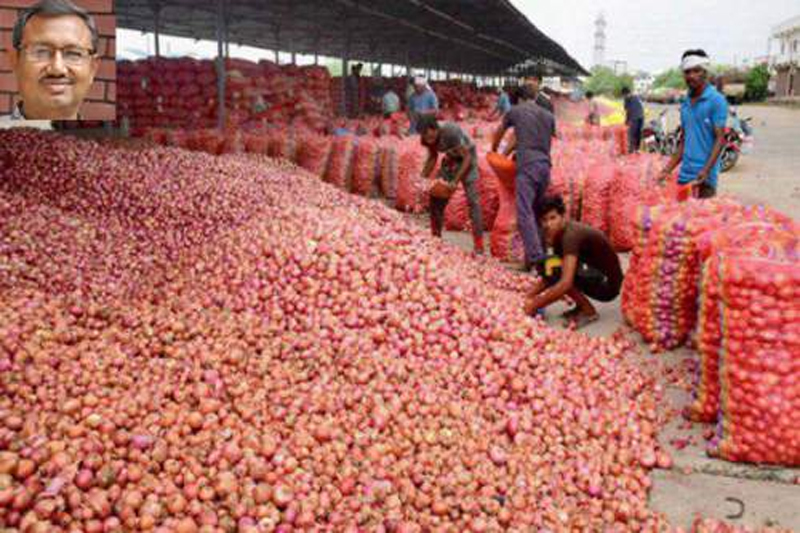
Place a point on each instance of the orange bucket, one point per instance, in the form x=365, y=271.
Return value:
x=505, y=168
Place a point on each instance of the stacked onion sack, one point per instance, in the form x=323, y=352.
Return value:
x=741, y=265
x=182, y=93
x=768, y=240
x=759, y=355
x=195, y=343
x=603, y=190
x=661, y=291
x=663, y=278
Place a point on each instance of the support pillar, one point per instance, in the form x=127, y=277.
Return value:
x=221, y=30
x=155, y=5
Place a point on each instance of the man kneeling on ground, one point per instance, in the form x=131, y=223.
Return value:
x=585, y=265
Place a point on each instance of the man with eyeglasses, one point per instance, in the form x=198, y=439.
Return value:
x=54, y=59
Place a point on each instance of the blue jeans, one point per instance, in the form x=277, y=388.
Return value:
x=532, y=183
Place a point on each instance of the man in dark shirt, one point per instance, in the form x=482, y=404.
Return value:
x=585, y=265
x=459, y=166
x=634, y=119
x=534, y=128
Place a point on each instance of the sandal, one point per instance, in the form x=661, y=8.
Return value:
x=580, y=321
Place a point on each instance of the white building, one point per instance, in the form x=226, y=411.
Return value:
x=643, y=83
x=785, y=48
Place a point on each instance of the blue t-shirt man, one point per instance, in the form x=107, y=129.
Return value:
x=699, y=121
x=422, y=102
x=503, y=103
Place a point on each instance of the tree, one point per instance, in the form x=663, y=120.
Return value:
x=605, y=81
x=670, y=79
x=757, y=84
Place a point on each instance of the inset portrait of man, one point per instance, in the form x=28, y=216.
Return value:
x=55, y=60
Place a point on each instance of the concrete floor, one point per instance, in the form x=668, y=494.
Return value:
x=698, y=484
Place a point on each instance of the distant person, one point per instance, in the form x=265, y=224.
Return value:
x=423, y=102
x=459, y=166
x=585, y=266
x=634, y=119
x=704, y=113
x=390, y=103
x=534, y=84
x=534, y=128
x=503, y=104
x=593, y=118
x=54, y=58
x=353, y=91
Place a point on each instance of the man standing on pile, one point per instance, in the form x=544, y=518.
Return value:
x=534, y=127
x=459, y=166
x=634, y=119
x=704, y=113
x=585, y=266
x=423, y=103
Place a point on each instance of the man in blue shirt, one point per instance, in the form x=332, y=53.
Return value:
x=503, y=104
x=704, y=113
x=423, y=102
x=634, y=119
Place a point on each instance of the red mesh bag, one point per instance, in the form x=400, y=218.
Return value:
x=313, y=152
x=412, y=193
x=504, y=239
x=366, y=168
x=759, y=360
x=456, y=216
x=389, y=169
x=340, y=165
x=758, y=239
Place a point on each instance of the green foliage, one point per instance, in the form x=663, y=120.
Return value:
x=604, y=81
x=757, y=83
x=670, y=79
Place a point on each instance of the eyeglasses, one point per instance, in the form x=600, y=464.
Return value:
x=73, y=56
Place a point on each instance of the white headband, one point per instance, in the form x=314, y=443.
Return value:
x=690, y=62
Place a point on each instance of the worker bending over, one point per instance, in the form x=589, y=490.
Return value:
x=585, y=266
x=459, y=166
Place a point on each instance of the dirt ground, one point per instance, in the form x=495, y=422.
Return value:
x=697, y=484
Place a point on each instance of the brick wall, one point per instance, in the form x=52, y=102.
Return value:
x=100, y=103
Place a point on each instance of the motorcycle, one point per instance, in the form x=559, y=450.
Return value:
x=653, y=135
x=673, y=141
x=738, y=140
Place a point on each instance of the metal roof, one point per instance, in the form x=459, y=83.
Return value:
x=485, y=37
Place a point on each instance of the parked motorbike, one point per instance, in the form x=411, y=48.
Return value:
x=654, y=135
x=738, y=140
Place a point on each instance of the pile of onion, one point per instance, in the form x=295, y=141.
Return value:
x=198, y=343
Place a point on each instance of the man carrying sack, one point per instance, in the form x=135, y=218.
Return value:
x=459, y=166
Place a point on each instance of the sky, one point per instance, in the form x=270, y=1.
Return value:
x=652, y=35
x=649, y=35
